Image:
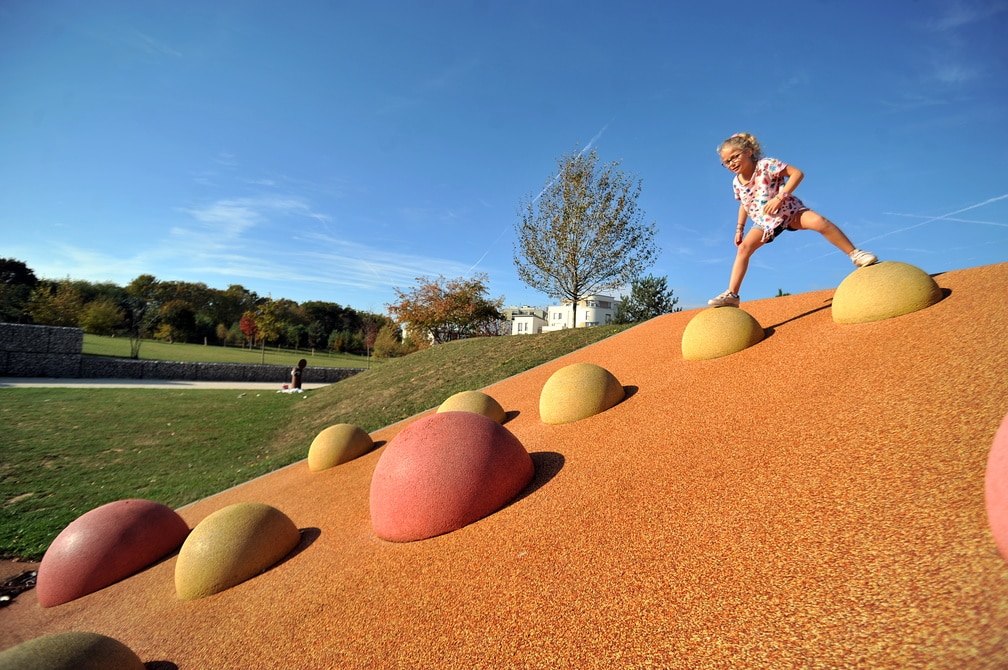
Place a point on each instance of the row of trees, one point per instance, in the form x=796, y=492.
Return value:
x=176, y=311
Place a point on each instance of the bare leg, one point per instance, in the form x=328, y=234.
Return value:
x=750, y=243
x=809, y=220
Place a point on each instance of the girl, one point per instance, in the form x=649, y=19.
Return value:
x=765, y=187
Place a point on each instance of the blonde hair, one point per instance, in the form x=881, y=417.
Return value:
x=743, y=141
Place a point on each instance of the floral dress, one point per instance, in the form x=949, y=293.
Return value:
x=767, y=180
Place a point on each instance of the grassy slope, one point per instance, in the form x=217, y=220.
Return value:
x=67, y=451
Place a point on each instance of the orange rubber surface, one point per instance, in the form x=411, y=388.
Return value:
x=816, y=500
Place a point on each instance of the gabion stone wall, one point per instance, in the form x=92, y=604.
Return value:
x=39, y=351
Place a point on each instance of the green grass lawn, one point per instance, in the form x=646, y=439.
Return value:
x=153, y=350
x=67, y=451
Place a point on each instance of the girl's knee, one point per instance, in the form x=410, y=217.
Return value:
x=810, y=220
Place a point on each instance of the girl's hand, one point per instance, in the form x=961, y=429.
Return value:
x=738, y=237
x=772, y=206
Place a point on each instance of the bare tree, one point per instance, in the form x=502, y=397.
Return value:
x=583, y=233
x=142, y=310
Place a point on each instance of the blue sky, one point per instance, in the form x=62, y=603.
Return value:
x=336, y=150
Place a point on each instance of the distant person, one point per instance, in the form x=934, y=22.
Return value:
x=297, y=373
x=765, y=187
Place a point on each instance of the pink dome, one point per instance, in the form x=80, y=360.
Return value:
x=105, y=545
x=443, y=472
x=996, y=488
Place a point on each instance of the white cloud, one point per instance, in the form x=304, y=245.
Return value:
x=953, y=74
x=150, y=45
x=957, y=15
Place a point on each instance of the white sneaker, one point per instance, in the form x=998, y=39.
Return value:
x=863, y=258
x=726, y=299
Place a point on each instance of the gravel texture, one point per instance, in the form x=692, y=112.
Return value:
x=813, y=501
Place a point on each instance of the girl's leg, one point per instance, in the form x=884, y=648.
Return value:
x=809, y=220
x=750, y=243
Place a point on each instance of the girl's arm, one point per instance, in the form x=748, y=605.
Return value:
x=794, y=177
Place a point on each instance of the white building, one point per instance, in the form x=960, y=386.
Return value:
x=525, y=320
x=592, y=310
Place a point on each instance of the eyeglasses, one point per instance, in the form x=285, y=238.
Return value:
x=733, y=159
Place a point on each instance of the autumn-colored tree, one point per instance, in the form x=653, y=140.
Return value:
x=440, y=310
x=249, y=327
x=387, y=343
x=583, y=232
x=268, y=321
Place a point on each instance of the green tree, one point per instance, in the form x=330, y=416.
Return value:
x=295, y=334
x=583, y=233
x=315, y=334
x=235, y=334
x=16, y=284
x=649, y=297
x=177, y=321
x=102, y=317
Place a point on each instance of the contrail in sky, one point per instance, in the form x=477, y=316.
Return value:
x=948, y=218
x=943, y=217
x=586, y=147
x=469, y=271
x=938, y=218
